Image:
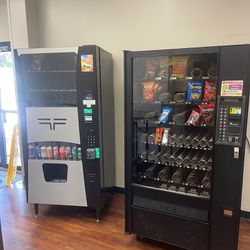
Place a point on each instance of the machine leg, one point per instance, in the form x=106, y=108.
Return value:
x=36, y=209
x=98, y=214
x=139, y=237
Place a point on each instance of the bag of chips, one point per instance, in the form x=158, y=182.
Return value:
x=163, y=68
x=165, y=114
x=209, y=92
x=207, y=113
x=151, y=68
x=179, y=66
x=194, y=93
x=149, y=90
x=158, y=135
x=193, y=118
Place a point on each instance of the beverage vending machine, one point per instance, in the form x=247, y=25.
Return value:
x=185, y=131
x=66, y=112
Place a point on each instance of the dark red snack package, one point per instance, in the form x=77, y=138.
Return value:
x=209, y=92
x=207, y=113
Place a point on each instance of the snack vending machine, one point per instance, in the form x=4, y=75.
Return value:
x=66, y=115
x=185, y=131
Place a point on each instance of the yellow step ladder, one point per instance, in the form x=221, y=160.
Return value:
x=12, y=167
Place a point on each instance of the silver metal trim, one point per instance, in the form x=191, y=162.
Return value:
x=47, y=50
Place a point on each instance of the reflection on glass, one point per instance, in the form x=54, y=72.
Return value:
x=50, y=79
x=11, y=120
x=7, y=87
x=173, y=111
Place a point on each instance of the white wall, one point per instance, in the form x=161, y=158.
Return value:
x=142, y=25
x=4, y=26
x=18, y=23
x=32, y=23
x=246, y=175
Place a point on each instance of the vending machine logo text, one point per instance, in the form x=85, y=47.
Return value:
x=52, y=122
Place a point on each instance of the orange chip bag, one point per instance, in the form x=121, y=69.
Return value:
x=149, y=90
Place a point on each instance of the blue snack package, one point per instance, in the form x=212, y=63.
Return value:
x=165, y=114
x=195, y=90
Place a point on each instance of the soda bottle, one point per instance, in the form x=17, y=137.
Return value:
x=74, y=152
x=62, y=152
x=49, y=152
x=55, y=151
x=68, y=152
x=43, y=152
x=31, y=150
x=79, y=153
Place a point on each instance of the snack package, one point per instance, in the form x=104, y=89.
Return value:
x=179, y=66
x=151, y=67
x=193, y=118
x=207, y=113
x=163, y=68
x=209, y=92
x=158, y=135
x=165, y=114
x=149, y=90
x=165, y=136
x=194, y=93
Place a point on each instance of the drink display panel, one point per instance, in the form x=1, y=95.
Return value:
x=173, y=118
x=50, y=79
x=54, y=151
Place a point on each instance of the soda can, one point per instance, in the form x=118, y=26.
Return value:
x=31, y=151
x=62, y=152
x=43, y=152
x=49, y=152
x=37, y=152
x=79, y=153
x=55, y=152
x=68, y=152
x=74, y=152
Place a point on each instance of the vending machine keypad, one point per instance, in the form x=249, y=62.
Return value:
x=91, y=141
x=222, y=123
x=229, y=120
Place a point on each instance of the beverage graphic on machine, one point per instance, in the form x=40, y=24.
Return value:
x=185, y=130
x=63, y=112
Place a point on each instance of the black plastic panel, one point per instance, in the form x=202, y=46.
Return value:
x=171, y=208
x=171, y=230
x=228, y=169
x=87, y=88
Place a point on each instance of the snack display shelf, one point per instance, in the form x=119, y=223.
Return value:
x=178, y=166
x=137, y=103
x=51, y=71
x=177, y=146
x=170, y=186
x=173, y=78
x=52, y=90
x=192, y=78
x=157, y=123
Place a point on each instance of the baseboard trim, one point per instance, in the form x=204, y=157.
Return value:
x=119, y=190
x=245, y=214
